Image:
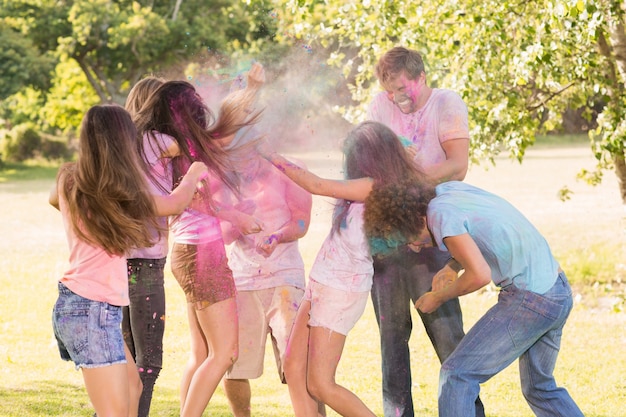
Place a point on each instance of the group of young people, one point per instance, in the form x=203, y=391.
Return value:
x=406, y=230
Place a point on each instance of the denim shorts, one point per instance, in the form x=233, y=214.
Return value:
x=88, y=332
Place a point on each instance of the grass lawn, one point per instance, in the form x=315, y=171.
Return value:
x=587, y=234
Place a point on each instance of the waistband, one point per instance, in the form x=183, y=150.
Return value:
x=148, y=262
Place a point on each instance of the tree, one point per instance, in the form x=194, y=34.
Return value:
x=117, y=42
x=518, y=64
x=21, y=65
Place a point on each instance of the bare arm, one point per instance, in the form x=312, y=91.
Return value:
x=181, y=197
x=477, y=273
x=455, y=165
x=299, y=202
x=354, y=190
x=53, y=198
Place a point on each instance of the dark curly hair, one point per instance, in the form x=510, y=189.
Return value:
x=373, y=150
x=395, y=213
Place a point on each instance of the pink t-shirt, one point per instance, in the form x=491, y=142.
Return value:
x=161, y=167
x=444, y=117
x=93, y=273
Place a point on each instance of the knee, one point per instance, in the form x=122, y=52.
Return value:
x=447, y=374
x=319, y=388
x=294, y=370
x=227, y=357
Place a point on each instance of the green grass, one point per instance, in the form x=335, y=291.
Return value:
x=30, y=170
x=35, y=382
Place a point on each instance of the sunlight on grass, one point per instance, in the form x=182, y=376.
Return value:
x=30, y=170
x=35, y=382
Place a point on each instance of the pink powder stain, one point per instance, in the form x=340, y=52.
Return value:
x=154, y=315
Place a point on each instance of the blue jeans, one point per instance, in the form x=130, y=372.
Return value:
x=399, y=280
x=522, y=325
x=87, y=331
x=143, y=323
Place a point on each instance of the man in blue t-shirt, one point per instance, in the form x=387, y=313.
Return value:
x=492, y=241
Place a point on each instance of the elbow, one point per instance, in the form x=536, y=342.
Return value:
x=459, y=175
x=484, y=277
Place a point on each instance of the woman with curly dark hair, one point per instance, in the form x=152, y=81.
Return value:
x=341, y=276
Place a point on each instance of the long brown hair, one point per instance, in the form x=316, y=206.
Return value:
x=137, y=98
x=141, y=91
x=176, y=109
x=105, y=189
x=373, y=150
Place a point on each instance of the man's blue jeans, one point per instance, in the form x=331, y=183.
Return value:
x=522, y=325
x=143, y=322
x=399, y=280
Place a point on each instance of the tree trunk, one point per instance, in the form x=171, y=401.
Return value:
x=620, y=171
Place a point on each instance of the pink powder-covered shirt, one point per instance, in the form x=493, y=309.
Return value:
x=161, y=168
x=93, y=273
x=443, y=118
x=344, y=261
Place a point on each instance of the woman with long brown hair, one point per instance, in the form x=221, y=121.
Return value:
x=107, y=210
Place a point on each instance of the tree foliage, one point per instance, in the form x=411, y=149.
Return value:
x=518, y=64
x=21, y=65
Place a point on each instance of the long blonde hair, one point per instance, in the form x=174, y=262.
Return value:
x=105, y=189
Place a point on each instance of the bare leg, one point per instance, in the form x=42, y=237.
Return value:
x=197, y=355
x=218, y=323
x=114, y=390
x=295, y=366
x=238, y=394
x=325, y=348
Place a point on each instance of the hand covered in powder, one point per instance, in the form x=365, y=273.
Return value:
x=247, y=224
x=267, y=244
x=256, y=77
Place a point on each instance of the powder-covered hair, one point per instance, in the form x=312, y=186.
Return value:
x=398, y=60
x=176, y=109
x=373, y=150
x=395, y=214
x=106, y=191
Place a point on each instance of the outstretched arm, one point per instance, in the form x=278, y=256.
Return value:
x=353, y=190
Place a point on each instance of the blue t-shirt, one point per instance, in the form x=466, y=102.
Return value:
x=514, y=249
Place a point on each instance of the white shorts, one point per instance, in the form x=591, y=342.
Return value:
x=334, y=309
x=262, y=312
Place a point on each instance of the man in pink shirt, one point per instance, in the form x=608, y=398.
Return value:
x=435, y=121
